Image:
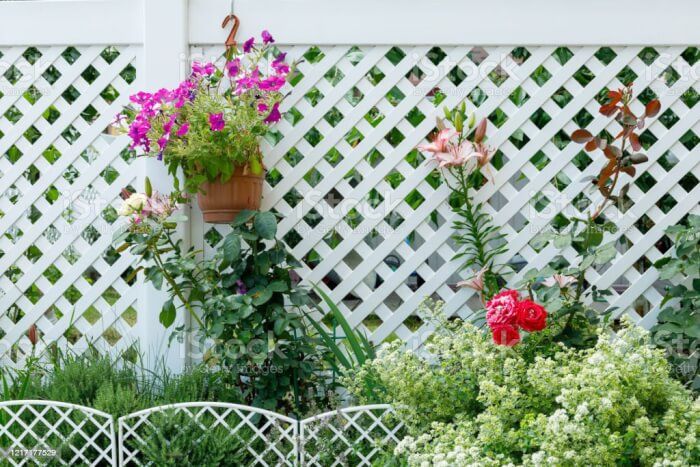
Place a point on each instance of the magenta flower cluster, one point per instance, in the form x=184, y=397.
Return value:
x=153, y=105
x=247, y=82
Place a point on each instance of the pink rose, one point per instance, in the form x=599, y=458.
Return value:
x=501, y=309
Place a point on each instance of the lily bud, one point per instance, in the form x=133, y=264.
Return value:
x=448, y=114
x=480, y=131
x=148, y=189
x=31, y=334
x=472, y=120
x=459, y=123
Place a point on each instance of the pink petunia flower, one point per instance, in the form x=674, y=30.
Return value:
x=248, y=45
x=267, y=37
x=184, y=129
x=273, y=83
x=203, y=69
x=233, y=67
x=274, y=115
x=279, y=65
x=216, y=122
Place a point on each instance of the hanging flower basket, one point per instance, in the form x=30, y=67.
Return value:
x=209, y=128
x=221, y=202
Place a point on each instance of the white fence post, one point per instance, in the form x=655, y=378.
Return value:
x=164, y=62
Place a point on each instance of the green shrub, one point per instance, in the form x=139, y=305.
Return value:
x=175, y=439
x=475, y=403
x=678, y=327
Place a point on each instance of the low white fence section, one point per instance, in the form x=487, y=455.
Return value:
x=253, y=436
x=34, y=432
x=41, y=432
x=350, y=436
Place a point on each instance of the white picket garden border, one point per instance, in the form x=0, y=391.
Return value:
x=286, y=427
x=349, y=426
x=29, y=440
x=349, y=419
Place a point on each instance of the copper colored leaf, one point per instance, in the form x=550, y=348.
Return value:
x=612, y=152
x=608, y=109
x=581, y=136
x=638, y=158
x=634, y=140
x=592, y=145
x=606, y=173
x=653, y=108
x=629, y=170
x=614, y=96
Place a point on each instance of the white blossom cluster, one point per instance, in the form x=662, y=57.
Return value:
x=477, y=404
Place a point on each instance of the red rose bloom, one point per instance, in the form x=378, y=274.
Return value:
x=505, y=334
x=531, y=316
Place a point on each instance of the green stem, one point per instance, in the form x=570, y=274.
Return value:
x=174, y=287
x=470, y=218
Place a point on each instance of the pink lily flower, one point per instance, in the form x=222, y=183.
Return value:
x=440, y=143
x=476, y=282
x=559, y=279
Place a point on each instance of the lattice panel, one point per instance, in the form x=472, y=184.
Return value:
x=61, y=177
x=55, y=433
x=258, y=437
x=368, y=217
x=351, y=436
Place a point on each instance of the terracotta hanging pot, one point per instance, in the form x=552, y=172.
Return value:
x=221, y=202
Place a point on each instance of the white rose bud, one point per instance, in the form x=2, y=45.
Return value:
x=134, y=203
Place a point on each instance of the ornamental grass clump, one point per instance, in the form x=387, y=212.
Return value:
x=473, y=402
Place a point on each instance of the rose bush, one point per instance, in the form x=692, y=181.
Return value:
x=506, y=314
x=539, y=403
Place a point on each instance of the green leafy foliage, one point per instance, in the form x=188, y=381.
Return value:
x=245, y=302
x=342, y=354
x=176, y=439
x=678, y=327
x=538, y=403
x=578, y=309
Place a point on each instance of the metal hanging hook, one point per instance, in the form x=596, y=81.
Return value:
x=231, y=39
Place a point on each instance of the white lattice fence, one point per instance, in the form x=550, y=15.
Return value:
x=350, y=436
x=369, y=218
x=56, y=433
x=260, y=437
x=34, y=432
x=61, y=177
x=362, y=211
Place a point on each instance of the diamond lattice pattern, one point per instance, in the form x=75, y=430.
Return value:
x=61, y=173
x=369, y=219
x=258, y=438
x=55, y=433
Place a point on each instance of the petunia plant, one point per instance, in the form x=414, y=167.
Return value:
x=213, y=120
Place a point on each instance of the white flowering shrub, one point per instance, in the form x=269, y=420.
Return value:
x=538, y=403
